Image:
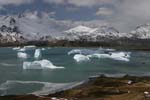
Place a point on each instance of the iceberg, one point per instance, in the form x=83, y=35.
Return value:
x=122, y=56
x=74, y=51
x=99, y=56
x=16, y=48
x=37, y=54
x=43, y=49
x=42, y=64
x=81, y=58
x=30, y=47
x=22, y=55
x=81, y=51
x=22, y=49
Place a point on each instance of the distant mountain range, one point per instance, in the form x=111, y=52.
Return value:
x=31, y=27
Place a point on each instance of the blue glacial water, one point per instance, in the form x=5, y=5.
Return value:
x=16, y=80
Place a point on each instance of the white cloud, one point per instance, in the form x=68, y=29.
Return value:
x=104, y=11
x=14, y=2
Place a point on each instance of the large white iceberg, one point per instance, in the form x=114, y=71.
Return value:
x=37, y=54
x=42, y=64
x=22, y=55
x=121, y=56
x=81, y=58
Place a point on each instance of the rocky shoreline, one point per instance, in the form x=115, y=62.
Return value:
x=99, y=88
x=141, y=45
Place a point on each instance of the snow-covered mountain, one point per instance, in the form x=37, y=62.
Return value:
x=95, y=34
x=142, y=32
x=32, y=26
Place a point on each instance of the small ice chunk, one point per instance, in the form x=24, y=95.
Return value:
x=81, y=58
x=16, y=48
x=74, y=51
x=37, y=54
x=43, y=49
x=42, y=64
x=22, y=55
x=30, y=47
x=22, y=49
x=99, y=55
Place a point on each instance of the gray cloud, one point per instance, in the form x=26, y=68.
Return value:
x=79, y=3
x=14, y=2
x=130, y=13
x=55, y=1
x=103, y=11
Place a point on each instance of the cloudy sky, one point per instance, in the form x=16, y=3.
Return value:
x=125, y=15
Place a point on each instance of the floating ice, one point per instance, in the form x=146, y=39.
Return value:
x=42, y=64
x=89, y=51
x=43, y=49
x=37, y=54
x=81, y=58
x=27, y=48
x=122, y=56
x=22, y=49
x=22, y=55
x=16, y=48
x=99, y=56
x=106, y=49
x=74, y=51
x=30, y=46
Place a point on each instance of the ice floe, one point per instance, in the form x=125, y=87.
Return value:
x=22, y=49
x=22, y=55
x=42, y=64
x=81, y=55
x=81, y=58
x=30, y=47
x=74, y=51
x=122, y=56
x=89, y=51
x=99, y=55
x=43, y=49
x=16, y=48
x=37, y=54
